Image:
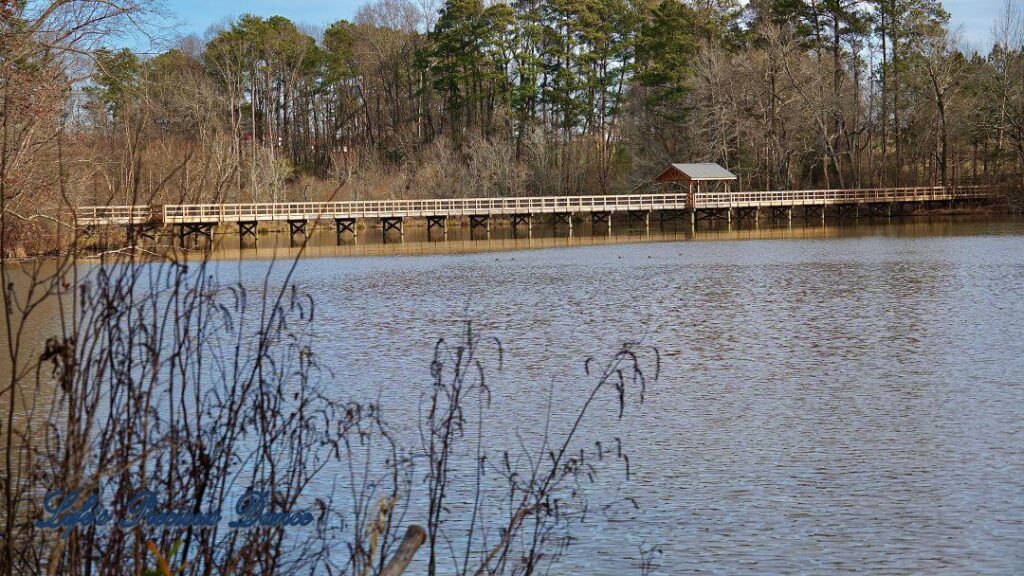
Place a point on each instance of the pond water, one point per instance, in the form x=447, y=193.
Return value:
x=839, y=399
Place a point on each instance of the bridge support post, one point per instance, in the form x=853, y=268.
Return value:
x=789, y=215
x=809, y=212
x=481, y=221
x=247, y=229
x=563, y=217
x=389, y=223
x=133, y=232
x=712, y=214
x=639, y=216
x=599, y=218
x=195, y=230
x=517, y=220
x=746, y=214
x=342, y=225
x=437, y=222
x=296, y=227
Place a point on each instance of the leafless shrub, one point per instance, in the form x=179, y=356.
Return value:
x=539, y=488
x=159, y=377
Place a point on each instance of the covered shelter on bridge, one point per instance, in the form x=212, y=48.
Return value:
x=697, y=177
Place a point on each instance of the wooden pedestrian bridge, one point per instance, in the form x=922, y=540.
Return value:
x=694, y=204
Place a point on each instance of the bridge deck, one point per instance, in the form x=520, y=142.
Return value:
x=295, y=211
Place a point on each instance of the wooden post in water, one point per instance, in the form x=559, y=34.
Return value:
x=518, y=219
x=389, y=223
x=342, y=225
x=437, y=221
x=247, y=229
x=483, y=221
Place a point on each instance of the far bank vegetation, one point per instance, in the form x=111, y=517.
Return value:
x=466, y=98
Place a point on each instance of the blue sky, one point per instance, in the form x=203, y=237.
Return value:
x=975, y=16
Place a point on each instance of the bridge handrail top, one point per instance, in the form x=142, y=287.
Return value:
x=817, y=190
x=512, y=200
x=507, y=200
x=469, y=199
x=94, y=206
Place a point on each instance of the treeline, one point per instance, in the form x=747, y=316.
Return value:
x=542, y=97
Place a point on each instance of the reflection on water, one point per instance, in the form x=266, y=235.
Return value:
x=275, y=242
x=838, y=399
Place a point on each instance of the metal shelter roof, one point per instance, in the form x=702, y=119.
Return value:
x=698, y=172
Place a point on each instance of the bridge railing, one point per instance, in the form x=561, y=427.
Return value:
x=183, y=213
x=242, y=212
x=790, y=197
x=121, y=215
